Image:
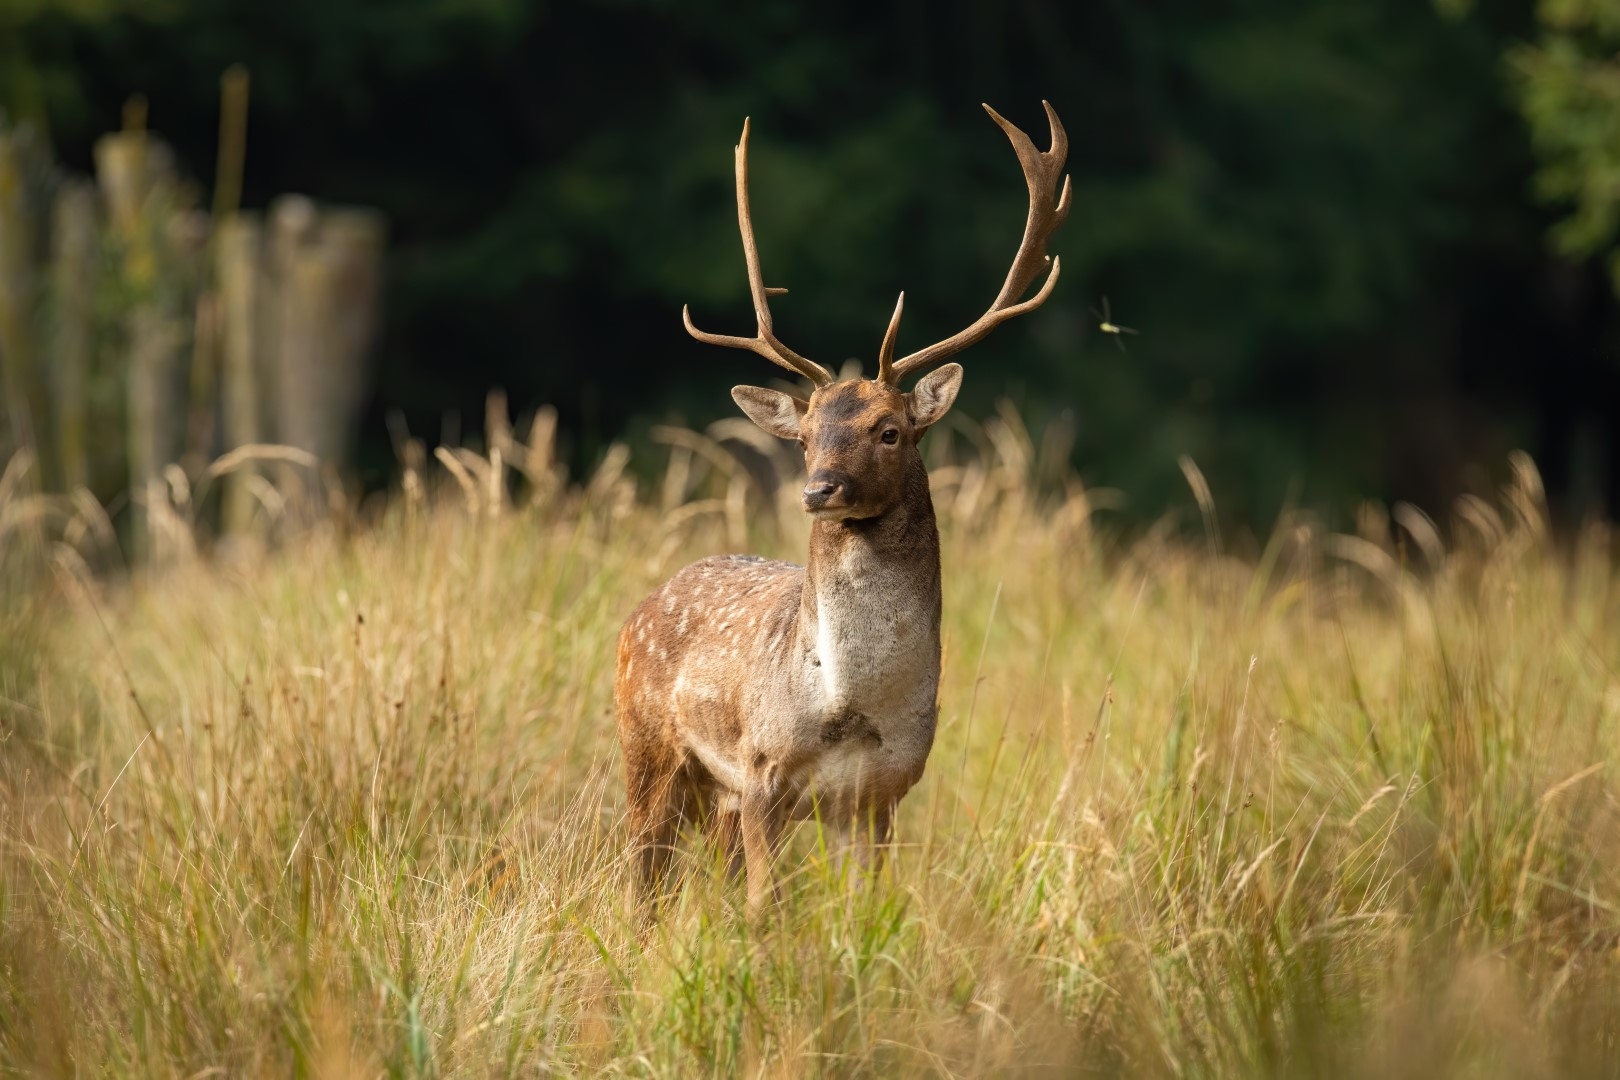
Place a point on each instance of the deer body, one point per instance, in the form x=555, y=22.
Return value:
x=810, y=690
x=753, y=692
x=774, y=688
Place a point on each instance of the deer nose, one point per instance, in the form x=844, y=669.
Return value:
x=819, y=491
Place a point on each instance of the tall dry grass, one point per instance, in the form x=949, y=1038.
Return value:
x=351, y=806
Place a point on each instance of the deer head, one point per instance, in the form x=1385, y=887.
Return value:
x=860, y=436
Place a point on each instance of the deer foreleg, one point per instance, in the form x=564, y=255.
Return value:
x=866, y=834
x=761, y=815
x=727, y=833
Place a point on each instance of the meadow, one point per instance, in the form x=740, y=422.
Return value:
x=348, y=803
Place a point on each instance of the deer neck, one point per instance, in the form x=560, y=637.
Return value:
x=870, y=610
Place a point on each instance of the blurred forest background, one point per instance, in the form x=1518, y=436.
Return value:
x=1369, y=246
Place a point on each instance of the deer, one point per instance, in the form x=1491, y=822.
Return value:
x=752, y=693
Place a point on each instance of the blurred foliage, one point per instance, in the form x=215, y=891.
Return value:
x=1569, y=88
x=1314, y=212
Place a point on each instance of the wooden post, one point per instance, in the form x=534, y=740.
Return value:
x=19, y=293
x=239, y=247
x=185, y=246
x=73, y=270
x=207, y=374
x=137, y=180
x=326, y=282
x=354, y=240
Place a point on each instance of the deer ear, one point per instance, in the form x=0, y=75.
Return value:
x=934, y=394
x=775, y=412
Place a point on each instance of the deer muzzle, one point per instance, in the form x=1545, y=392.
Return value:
x=825, y=491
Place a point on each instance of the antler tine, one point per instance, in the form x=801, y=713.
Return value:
x=765, y=342
x=886, y=353
x=1041, y=173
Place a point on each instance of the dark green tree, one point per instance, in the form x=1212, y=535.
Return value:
x=1314, y=211
x=1568, y=83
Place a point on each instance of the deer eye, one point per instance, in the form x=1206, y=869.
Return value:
x=891, y=436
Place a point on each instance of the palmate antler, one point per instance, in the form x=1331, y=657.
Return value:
x=1041, y=173
x=764, y=342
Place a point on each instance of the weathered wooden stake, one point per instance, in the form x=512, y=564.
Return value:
x=19, y=293
x=137, y=179
x=325, y=270
x=239, y=247
x=73, y=272
x=207, y=376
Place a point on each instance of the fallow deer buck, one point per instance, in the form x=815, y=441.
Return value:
x=764, y=692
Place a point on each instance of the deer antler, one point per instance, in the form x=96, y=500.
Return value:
x=764, y=342
x=1041, y=172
